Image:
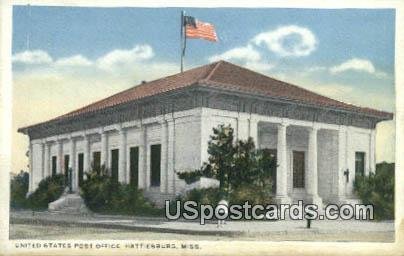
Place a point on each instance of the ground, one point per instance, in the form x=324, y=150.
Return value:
x=45, y=225
x=55, y=232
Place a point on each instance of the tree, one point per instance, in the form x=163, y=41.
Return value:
x=378, y=189
x=234, y=163
x=19, y=189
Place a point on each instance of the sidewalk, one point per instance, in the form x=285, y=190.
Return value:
x=231, y=229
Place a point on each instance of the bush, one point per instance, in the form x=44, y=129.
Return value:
x=378, y=189
x=102, y=194
x=203, y=196
x=18, y=190
x=244, y=193
x=49, y=190
x=251, y=194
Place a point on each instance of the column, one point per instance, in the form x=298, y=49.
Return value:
x=350, y=164
x=60, y=160
x=312, y=187
x=163, y=160
x=171, y=176
x=206, y=130
x=87, y=155
x=372, y=151
x=253, y=131
x=43, y=162
x=104, y=150
x=122, y=157
x=142, y=158
x=282, y=177
x=31, y=168
x=341, y=163
x=72, y=164
x=147, y=163
x=243, y=127
x=47, y=160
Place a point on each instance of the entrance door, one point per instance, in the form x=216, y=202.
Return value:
x=155, y=165
x=298, y=169
x=80, y=168
x=134, y=166
x=114, y=164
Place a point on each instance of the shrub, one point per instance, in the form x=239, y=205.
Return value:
x=18, y=190
x=378, y=189
x=203, y=196
x=251, y=194
x=49, y=190
x=244, y=193
x=102, y=194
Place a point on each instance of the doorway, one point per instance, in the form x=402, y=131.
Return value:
x=114, y=164
x=134, y=166
x=298, y=169
x=155, y=165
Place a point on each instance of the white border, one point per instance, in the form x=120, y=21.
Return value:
x=235, y=247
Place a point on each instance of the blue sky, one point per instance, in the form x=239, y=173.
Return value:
x=86, y=54
x=95, y=31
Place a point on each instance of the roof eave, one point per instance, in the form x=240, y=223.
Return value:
x=386, y=115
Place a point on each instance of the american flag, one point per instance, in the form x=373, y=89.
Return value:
x=200, y=30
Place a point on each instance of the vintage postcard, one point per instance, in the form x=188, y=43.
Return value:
x=135, y=128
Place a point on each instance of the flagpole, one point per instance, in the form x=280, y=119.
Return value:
x=182, y=40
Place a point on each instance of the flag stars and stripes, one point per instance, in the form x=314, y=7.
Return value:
x=201, y=30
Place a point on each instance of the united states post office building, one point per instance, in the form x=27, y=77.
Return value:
x=145, y=134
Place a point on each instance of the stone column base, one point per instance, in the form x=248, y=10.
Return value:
x=283, y=200
x=317, y=201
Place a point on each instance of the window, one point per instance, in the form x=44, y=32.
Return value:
x=155, y=165
x=67, y=168
x=54, y=165
x=298, y=169
x=360, y=163
x=114, y=164
x=81, y=168
x=96, y=160
x=134, y=166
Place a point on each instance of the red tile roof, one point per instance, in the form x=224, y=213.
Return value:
x=227, y=76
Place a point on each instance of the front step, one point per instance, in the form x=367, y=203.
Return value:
x=154, y=195
x=70, y=204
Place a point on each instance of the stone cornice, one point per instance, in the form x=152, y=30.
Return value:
x=196, y=97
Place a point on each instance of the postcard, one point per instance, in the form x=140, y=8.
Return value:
x=175, y=128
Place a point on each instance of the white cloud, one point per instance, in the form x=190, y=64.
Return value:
x=354, y=64
x=32, y=57
x=315, y=69
x=39, y=91
x=118, y=58
x=73, y=61
x=283, y=41
x=246, y=56
x=259, y=66
x=246, y=53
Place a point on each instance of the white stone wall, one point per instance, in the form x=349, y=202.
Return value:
x=358, y=140
x=37, y=155
x=327, y=164
x=187, y=145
